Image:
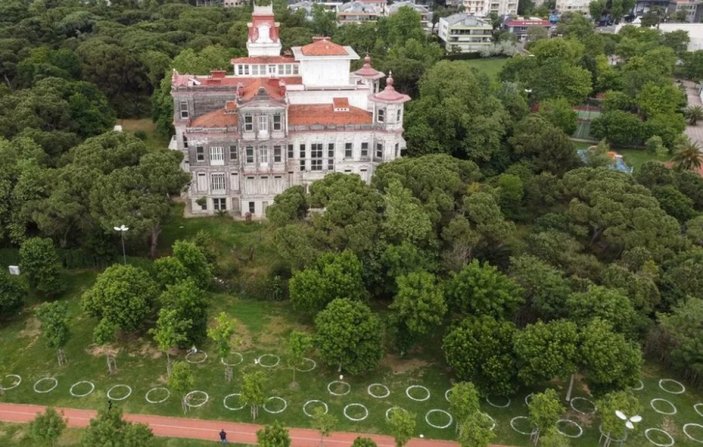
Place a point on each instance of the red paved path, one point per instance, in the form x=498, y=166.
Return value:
x=176, y=427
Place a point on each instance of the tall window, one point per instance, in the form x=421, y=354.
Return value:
x=263, y=123
x=250, y=154
x=379, y=150
x=255, y=70
x=316, y=157
x=380, y=115
x=302, y=157
x=202, y=181
x=252, y=207
x=291, y=155
x=277, y=154
x=217, y=183
x=330, y=157
x=217, y=155
x=220, y=204
x=397, y=150
x=200, y=153
x=233, y=153
x=399, y=116
x=364, y=149
x=184, y=109
x=234, y=181
x=347, y=150
x=295, y=69
x=185, y=141
x=277, y=121
x=248, y=122
x=263, y=154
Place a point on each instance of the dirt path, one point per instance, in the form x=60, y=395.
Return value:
x=176, y=427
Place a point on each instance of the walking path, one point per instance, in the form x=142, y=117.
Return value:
x=176, y=427
x=695, y=133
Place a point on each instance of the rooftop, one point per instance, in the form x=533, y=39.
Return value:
x=325, y=114
x=188, y=80
x=324, y=47
x=263, y=60
x=466, y=20
x=217, y=118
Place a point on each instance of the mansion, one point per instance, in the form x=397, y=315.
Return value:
x=280, y=121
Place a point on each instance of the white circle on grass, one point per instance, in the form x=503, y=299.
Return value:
x=447, y=393
x=639, y=387
x=573, y=424
x=696, y=408
x=493, y=404
x=18, y=380
x=520, y=418
x=588, y=401
x=157, y=401
x=259, y=361
x=385, y=394
x=659, y=430
x=659, y=399
x=311, y=361
x=114, y=387
x=388, y=411
x=285, y=405
x=437, y=410
x=236, y=354
x=314, y=401
x=190, y=357
x=53, y=380
x=356, y=405
x=91, y=385
x=685, y=431
x=681, y=390
x=191, y=394
x=418, y=387
x=224, y=402
x=345, y=385
x=528, y=399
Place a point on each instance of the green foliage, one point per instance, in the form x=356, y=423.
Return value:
x=405, y=219
x=349, y=336
x=363, y=442
x=109, y=428
x=39, y=260
x=546, y=351
x=560, y=114
x=681, y=330
x=288, y=207
x=185, y=312
x=274, y=435
x=193, y=259
x=544, y=287
x=402, y=425
x=54, y=323
x=479, y=349
x=618, y=127
x=624, y=401
x=181, y=379
x=552, y=438
x=299, y=344
x=12, y=292
x=222, y=333
x=544, y=144
x=600, y=302
x=545, y=409
x=463, y=401
x=475, y=431
x=254, y=391
x=169, y=270
x=480, y=289
x=323, y=422
x=333, y=275
x=47, y=427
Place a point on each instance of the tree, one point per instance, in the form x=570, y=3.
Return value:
x=480, y=349
x=688, y=156
x=480, y=289
x=109, y=428
x=655, y=99
x=546, y=351
x=618, y=127
x=47, y=427
x=299, y=343
x=190, y=310
x=221, y=334
x=552, y=438
x=363, y=442
x=349, y=336
x=607, y=405
x=546, y=145
x=194, y=260
x=418, y=306
x=463, y=401
x=288, y=207
x=12, y=292
x=254, y=391
x=402, y=425
x=694, y=232
x=544, y=410
x=169, y=270
x=608, y=360
x=475, y=431
x=680, y=331
x=674, y=202
x=333, y=275
x=40, y=262
x=181, y=381
x=693, y=114
x=323, y=422
x=55, y=330
x=560, y=114
x=121, y=297
x=274, y=435
x=544, y=287
x=405, y=219
x=601, y=302
x=170, y=331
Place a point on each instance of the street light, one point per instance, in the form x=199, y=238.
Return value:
x=122, y=230
x=629, y=421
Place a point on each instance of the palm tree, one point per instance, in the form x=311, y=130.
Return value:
x=688, y=156
x=694, y=113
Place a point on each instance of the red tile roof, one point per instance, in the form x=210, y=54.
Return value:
x=272, y=86
x=324, y=47
x=367, y=71
x=216, y=118
x=324, y=114
x=264, y=60
x=527, y=22
x=340, y=103
x=390, y=94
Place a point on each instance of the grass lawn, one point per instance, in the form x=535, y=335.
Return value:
x=491, y=66
x=146, y=125
x=632, y=157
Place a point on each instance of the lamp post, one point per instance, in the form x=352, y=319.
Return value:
x=122, y=230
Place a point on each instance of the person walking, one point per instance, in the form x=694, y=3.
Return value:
x=223, y=437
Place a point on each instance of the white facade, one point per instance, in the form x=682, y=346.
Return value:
x=573, y=6
x=485, y=7
x=465, y=33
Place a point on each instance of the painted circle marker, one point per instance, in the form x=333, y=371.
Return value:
x=490, y=418
x=639, y=387
x=236, y=354
x=681, y=390
x=685, y=432
x=91, y=385
x=385, y=394
x=260, y=361
x=493, y=404
x=311, y=361
x=514, y=420
x=153, y=390
x=189, y=396
x=18, y=380
x=285, y=405
x=698, y=408
x=314, y=401
x=114, y=387
x=647, y=434
x=388, y=411
x=190, y=357
x=528, y=398
x=573, y=424
x=229, y=407
x=590, y=403
x=419, y=387
x=53, y=380
x=345, y=385
x=356, y=405
x=447, y=393
x=659, y=399
x=436, y=410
